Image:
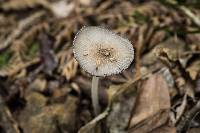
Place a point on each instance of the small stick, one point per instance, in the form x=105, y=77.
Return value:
x=185, y=122
x=95, y=96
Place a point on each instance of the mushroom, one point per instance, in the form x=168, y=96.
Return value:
x=101, y=53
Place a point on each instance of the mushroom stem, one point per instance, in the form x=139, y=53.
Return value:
x=95, y=96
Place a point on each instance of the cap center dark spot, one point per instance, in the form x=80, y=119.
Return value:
x=105, y=53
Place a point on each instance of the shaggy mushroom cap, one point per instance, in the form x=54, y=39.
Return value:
x=101, y=52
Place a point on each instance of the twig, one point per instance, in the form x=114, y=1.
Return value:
x=7, y=120
x=184, y=123
x=93, y=123
x=192, y=16
x=181, y=108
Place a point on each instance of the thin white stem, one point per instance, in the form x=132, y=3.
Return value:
x=95, y=96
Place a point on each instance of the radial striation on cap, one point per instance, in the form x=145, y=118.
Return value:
x=101, y=52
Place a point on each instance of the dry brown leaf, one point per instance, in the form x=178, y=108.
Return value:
x=121, y=108
x=22, y=4
x=194, y=130
x=69, y=69
x=157, y=38
x=194, y=69
x=37, y=117
x=14, y=68
x=170, y=49
x=67, y=64
x=149, y=8
x=152, y=107
x=25, y=23
x=38, y=84
x=193, y=39
x=165, y=129
x=189, y=92
x=154, y=124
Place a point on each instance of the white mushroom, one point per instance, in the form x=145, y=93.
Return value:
x=101, y=52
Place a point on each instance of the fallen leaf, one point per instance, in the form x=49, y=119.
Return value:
x=194, y=130
x=170, y=49
x=165, y=129
x=69, y=69
x=114, y=92
x=37, y=117
x=121, y=108
x=21, y=4
x=38, y=84
x=152, y=106
x=194, y=69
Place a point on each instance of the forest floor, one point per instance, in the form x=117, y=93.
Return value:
x=44, y=90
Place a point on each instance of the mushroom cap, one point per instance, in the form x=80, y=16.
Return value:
x=101, y=52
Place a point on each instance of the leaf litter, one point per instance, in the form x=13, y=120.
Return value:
x=43, y=89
